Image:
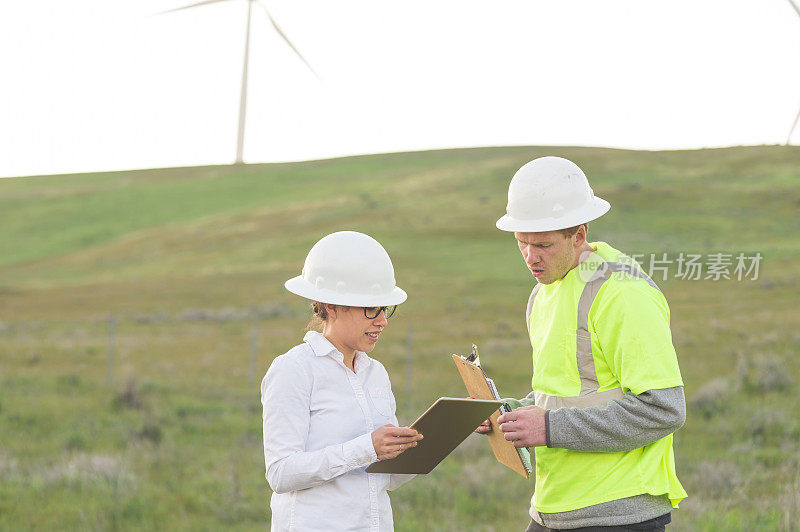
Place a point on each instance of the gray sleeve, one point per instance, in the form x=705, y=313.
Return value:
x=623, y=424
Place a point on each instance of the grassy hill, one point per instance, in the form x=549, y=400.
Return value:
x=190, y=263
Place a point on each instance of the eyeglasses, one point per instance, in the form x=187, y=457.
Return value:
x=372, y=312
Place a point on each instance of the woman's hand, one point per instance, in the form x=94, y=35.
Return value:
x=389, y=441
x=485, y=427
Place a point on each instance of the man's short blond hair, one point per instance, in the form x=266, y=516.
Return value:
x=570, y=231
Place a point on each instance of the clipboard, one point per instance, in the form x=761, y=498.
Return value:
x=479, y=386
x=445, y=424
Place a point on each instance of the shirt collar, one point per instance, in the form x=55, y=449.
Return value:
x=321, y=347
x=319, y=344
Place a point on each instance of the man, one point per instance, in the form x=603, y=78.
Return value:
x=607, y=390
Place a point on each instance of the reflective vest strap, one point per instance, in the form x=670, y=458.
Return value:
x=583, y=338
x=529, y=310
x=630, y=270
x=552, y=402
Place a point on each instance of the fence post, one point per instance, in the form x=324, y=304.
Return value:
x=112, y=322
x=409, y=368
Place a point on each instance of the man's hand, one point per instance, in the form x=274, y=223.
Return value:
x=389, y=441
x=524, y=426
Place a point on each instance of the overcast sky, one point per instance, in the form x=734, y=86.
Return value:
x=92, y=85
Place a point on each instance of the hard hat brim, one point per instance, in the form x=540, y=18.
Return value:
x=301, y=287
x=593, y=210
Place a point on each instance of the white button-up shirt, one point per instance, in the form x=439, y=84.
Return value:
x=318, y=421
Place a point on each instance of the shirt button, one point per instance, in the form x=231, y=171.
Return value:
x=372, y=489
x=359, y=394
x=374, y=521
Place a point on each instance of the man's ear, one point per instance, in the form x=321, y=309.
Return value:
x=580, y=235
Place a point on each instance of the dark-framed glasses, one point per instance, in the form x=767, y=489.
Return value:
x=372, y=312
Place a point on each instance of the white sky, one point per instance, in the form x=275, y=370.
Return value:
x=101, y=84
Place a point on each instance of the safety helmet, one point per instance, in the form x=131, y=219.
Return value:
x=348, y=268
x=547, y=194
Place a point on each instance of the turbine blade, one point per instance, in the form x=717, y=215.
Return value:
x=286, y=39
x=796, y=8
x=794, y=124
x=797, y=117
x=196, y=4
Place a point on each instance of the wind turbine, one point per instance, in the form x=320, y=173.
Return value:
x=794, y=124
x=243, y=97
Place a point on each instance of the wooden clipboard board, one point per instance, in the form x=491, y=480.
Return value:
x=444, y=425
x=478, y=388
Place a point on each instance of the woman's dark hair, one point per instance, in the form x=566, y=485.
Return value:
x=320, y=316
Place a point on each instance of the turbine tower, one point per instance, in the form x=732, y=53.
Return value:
x=794, y=124
x=243, y=97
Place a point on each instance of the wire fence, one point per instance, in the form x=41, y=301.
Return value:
x=233, y=345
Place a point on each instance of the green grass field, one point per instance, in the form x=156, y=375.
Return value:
x=183, y=259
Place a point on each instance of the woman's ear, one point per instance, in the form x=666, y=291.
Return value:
x=331, y=308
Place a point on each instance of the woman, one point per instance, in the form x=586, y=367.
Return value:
x=328, y=407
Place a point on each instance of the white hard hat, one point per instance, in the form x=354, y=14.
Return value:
x=348, y=268
x=547, y=194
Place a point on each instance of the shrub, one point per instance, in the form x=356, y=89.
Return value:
x=712, y=397
x=129, y=396
x=151, y=431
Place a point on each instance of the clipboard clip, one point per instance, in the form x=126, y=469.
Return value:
x=472, y=358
